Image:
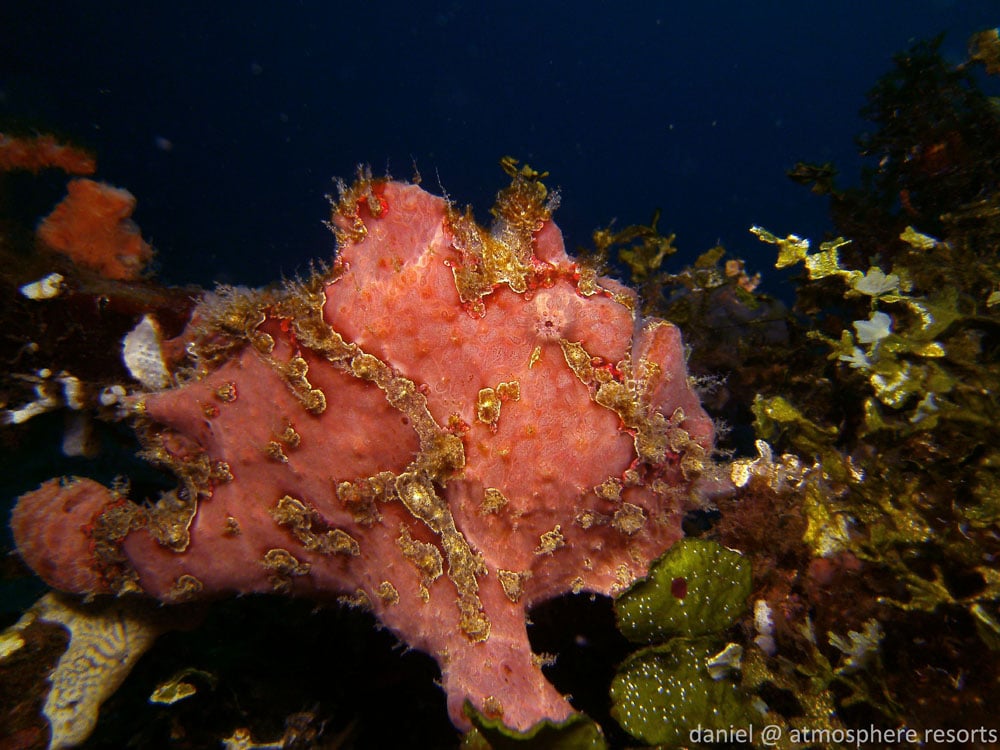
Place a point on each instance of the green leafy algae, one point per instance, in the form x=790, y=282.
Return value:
x=693, y=592
x=662, y=692
x=696, y=587
x=575, y=733
x=642, y=248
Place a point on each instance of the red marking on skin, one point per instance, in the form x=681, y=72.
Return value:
x=679, y=587
x=378, y=192
x=286, y=325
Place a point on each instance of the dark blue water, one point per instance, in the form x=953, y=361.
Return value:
x=228, y=120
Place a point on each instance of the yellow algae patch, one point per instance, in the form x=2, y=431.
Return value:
x=359, y=498
x=294, y=515
x=493, y=501
x=503, y=255
x=488, y=407
x=283, y=566
x=489, y=400
x=185, y=588
x=629, y=519
x=509, y=391
x=587, y=284
x=226, y=392
x=588, y=519
x=550, y=541
x=221, y=472
x=579, y=361
x=653, y=434
x=275, y=453
x=290, y=437
x=513, y=583
x=294, y=372
x=536, y=355
x=610, y=489
x=387, y=593
x=418, y=495
x=425, y=557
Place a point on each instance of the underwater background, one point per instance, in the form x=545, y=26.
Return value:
x=228, y=120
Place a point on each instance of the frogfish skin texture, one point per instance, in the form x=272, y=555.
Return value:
x=448, y=425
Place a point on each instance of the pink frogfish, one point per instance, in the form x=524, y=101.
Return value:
x=448, y=425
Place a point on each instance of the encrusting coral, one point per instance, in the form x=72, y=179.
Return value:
x=93, y=226
x=40, y=152
x=448, y=426
x=105, y=641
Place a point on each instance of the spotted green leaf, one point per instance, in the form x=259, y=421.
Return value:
x=697, y=587
x=663, y=692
